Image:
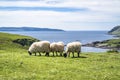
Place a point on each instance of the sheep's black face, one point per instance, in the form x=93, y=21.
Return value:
x=29, y=53
x=65, y=55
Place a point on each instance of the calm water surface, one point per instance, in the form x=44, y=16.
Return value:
x=69, y=36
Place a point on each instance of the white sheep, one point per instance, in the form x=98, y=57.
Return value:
x=60, y=47
x=73, y=47
x=53, y=48
x=38, y=47
x=57, y=47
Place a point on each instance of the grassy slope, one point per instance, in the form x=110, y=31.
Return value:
x=115, y=31
x=16, y=64
x=114, y=43
x=111, y=43
x=6, y=41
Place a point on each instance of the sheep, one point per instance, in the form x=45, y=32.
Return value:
x=60, y=47
x=73, y=47
x=38, y=47
x=53, y=48
x=57, y=47
x=32, y=48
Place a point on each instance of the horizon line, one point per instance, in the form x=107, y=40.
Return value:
x=50, y=28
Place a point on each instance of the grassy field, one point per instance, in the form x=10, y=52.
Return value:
x=16, y=64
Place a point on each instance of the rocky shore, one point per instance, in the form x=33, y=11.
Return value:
x=106, y=44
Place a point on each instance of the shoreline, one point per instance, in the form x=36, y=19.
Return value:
x=104, y=44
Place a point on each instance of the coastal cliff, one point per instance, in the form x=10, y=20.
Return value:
x=115, y=31
x=106, y=44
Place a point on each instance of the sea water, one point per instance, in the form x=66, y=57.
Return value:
x=69, y=36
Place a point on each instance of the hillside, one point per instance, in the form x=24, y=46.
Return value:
x=16, y=64
x=27, y=29
x=14, y=42
x=115, y=31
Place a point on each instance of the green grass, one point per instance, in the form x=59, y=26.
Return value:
x=7, y=44
x=16, y=64
x=111, y=43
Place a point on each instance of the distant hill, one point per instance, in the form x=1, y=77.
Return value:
x=115, y=31
x=27, y=29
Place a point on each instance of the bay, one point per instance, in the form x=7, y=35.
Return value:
x=69, y=36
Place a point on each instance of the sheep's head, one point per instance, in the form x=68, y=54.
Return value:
x=65, y=55
x=29, y=53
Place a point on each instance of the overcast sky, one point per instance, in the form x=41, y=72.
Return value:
x=61, y=14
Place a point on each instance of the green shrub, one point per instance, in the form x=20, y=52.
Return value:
x=113, y=51
x=24, y=41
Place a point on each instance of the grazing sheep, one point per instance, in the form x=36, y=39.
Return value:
x=38, y=47
x=57, y=47
x=73, y=47
x=53, y=48
x=60, y=47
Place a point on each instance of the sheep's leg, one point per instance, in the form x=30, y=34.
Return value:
x=56, y=54
x=73, y=54
x=53, y=54
x=45, y=54
x=39, y=53
x=79, y=54
x=48, y=54
x=68, y=54
x=60, y=53
x=35, y=54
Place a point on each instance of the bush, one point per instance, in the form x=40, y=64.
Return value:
x=113, y=51
x=24, y=41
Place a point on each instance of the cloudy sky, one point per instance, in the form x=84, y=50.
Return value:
x=61, y=14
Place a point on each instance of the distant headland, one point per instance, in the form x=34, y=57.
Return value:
x=27, y=29
x=115, y=31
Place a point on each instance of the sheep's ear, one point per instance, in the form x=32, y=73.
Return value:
x=65, y=55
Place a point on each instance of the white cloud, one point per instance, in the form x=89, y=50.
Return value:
x=52, y=19
x=100, y=13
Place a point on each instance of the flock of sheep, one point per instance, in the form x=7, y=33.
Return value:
x=55, y=47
